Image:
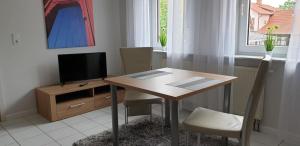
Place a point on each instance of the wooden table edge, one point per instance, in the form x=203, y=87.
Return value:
x=141, y=90
x=177, y=98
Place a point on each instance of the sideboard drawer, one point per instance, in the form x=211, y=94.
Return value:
x=75, y=107
x=102, y=100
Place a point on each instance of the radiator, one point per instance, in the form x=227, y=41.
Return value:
x=241, y=90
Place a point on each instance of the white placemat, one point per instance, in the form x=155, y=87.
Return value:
x=194, y=83
x=148, y=74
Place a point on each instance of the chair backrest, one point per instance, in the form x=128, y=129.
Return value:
x=136, y=59
x=253, y=101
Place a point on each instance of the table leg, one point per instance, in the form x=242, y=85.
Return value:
x=226, y=106
x=167, y=112
x=114, y=109
x=174, y=125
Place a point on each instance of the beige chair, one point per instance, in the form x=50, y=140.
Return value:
x=136, y=103
x=205, y=121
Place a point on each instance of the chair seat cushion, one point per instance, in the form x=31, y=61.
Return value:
x=215, y=123
x=134, y=97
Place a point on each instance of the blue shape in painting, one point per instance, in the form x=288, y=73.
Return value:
x=68, y=29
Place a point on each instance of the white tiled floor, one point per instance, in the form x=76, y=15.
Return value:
x=37, y=131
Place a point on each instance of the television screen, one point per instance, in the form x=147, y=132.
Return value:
x=77, y=67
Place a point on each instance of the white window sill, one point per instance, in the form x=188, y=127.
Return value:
x=258, y=58
x=251, y=57
x=159, y=50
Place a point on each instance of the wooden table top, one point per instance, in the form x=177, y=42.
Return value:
x=160, y=85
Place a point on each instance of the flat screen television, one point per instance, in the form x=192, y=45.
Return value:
x=79, y=67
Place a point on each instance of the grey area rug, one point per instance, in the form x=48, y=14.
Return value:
x=143, y=132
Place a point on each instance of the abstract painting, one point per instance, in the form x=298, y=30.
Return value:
x=69, y=23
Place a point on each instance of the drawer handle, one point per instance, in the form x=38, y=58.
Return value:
x=77, y=105
x=108, y=97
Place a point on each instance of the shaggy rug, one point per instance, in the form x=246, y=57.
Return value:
x=143, y=132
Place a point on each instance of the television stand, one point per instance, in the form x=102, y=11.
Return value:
x=59, y=102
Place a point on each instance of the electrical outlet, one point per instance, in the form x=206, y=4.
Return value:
x=15, y=38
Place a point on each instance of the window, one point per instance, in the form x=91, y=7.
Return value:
x=162, y=21
x=257, y=16
x=163, y=15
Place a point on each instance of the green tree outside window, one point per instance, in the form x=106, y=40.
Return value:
x=163, y=21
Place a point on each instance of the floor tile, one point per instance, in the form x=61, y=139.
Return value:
x=13, y=122
x=52, y=144
x=95, y=130
x=2, y=131
x=121, y=121
x=132, y=118
x=13, y=144
x=75, y=120
x=47, y=127
x=108, y=125
x=86, y=125
x=265, y=139
x=6, y=140
x=107, y=109
x=38, y=140
x=36, y=130
x=103, y=119
x=257, y=144
x=68, y=141
x=61, y=133
x=94, y=114
x=26, y=133
x=289, y=144
x=19, y=127
x=36, y=119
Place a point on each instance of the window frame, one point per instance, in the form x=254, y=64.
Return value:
x=245, y=49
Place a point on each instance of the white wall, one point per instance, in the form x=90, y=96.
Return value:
x=31, y=64
x=2, y=108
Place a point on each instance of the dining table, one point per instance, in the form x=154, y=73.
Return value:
x=173, y=85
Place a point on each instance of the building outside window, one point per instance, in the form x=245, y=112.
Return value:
x=257, y=16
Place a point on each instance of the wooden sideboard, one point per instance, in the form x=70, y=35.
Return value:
x=62, y=101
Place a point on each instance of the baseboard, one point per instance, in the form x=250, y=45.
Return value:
x=20, y=114
x=286, y=137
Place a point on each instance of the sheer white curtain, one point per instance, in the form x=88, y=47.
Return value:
x=141, y=22
x=289, y=122
x=202, y=37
